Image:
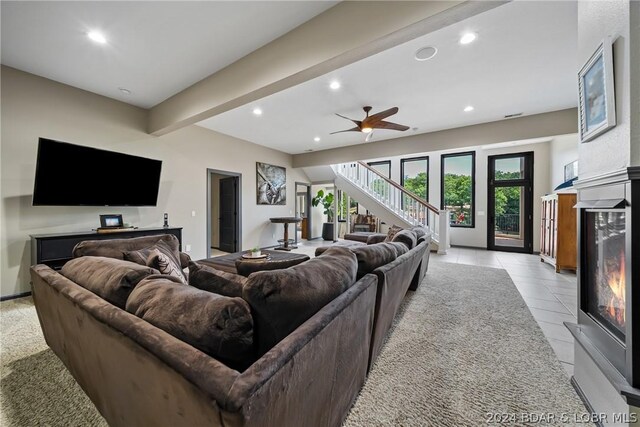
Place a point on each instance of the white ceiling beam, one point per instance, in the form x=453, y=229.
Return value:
x=344, y=34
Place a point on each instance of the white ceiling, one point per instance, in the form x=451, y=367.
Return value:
x=524, y=60
x=155, y=48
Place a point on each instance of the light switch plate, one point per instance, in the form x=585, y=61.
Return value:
x=187, y=248
x=480, y=213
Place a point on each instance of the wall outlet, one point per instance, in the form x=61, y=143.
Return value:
x=187, y=248
x=193, y=213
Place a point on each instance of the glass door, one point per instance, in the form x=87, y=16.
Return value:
x=510, y=203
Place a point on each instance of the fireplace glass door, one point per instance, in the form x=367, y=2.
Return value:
x=605, y=269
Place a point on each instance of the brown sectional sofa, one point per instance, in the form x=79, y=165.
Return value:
x=308, y=373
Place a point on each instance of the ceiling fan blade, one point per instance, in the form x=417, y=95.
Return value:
x=369, y=137
x=355, y=129
x=382, y=115
x=357, y=122
x=390, y=126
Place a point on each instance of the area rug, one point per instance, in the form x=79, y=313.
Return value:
x=464, y=349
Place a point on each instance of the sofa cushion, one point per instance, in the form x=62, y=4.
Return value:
x=373, y=256
x=217, y=325
x=110, y=278
x=281, y=300
x=400, y=248
x=220, y=282
x=407, y=237
x=115, y=248
x=341, y=243
x=420, y=232
x=393, y=230
x=246, y=267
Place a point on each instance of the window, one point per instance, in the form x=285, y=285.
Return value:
x=342, y=206
x=383, y=167
x=378, y=185
x=414, y=176
x=458, y=175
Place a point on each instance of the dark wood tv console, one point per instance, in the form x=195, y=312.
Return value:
x=55, y=250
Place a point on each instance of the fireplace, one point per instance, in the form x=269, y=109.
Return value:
x=604, y=243
x=608, y=329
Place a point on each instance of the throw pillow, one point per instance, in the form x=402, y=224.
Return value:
x=282, y=300
x=165, y=264
x=217, y=281
x=393, y=230
x=110, y=278
x=220, y=326
x=143, y=256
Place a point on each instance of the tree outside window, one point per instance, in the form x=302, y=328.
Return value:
x=458, y=176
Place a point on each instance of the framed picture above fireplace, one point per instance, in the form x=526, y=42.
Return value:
x=597, y=93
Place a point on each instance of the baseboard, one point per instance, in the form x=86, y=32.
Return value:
x=10, y=297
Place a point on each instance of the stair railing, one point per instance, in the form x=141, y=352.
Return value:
x=404, y=203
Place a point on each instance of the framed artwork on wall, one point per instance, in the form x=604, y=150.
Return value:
x=571, y=170
x=271, y=184
x=596, y=90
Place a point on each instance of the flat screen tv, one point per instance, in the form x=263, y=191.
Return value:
x=74, y=175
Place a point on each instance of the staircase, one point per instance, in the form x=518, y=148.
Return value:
x=390, y=202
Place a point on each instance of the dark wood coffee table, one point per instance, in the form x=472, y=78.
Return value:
x=228, y=262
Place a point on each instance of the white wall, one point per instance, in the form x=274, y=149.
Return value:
x=33, y=106
x=477, y=236
x=563, y=150
x=596, y=20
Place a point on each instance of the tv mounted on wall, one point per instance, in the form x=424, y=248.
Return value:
x=74, y=175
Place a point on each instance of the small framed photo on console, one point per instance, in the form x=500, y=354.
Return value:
x=111, y=221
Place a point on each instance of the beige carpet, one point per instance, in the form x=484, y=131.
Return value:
x=464, y=346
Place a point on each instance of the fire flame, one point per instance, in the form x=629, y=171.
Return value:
x=616, y=282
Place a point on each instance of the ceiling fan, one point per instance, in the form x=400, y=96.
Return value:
x=375, y=121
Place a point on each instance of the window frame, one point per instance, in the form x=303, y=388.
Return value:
x=473, y=185
x=381, y=162
x=415, y=159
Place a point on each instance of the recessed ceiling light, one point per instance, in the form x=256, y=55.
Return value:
x=124, y=90
x=316, y=139
x=257, y=111
x=468, y=108
x=335, y=85
x=97, y=37
x=467, y=38
x=425, y=53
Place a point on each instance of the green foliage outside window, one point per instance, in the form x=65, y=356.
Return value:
x=457, y=197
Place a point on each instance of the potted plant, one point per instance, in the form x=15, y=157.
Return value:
x=255, y=252
x=326, y=200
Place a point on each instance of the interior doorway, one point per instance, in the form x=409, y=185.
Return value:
x=224, y=213
x=303, y=208
x=510, y=203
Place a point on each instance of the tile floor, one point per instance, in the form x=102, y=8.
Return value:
x=550, y=296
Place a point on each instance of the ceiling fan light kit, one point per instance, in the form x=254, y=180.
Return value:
x=375, y=121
